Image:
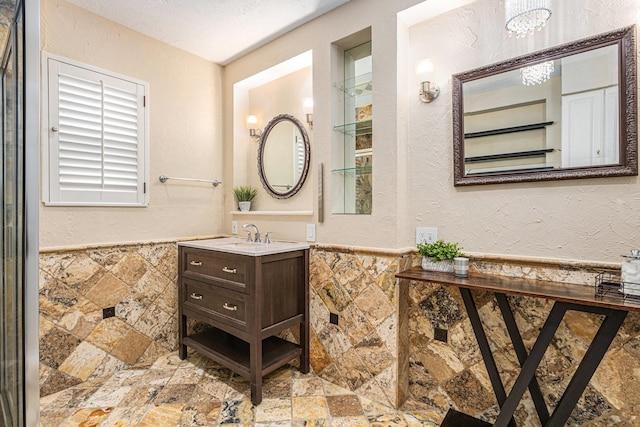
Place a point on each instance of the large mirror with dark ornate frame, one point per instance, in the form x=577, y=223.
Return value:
x=283, y=156
x=562, y=113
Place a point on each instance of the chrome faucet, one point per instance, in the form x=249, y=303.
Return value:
x=256, y=238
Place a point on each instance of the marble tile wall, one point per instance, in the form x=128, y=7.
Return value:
x=76, y=343
x=452, y=374
x=382, y=347
x=360, y=353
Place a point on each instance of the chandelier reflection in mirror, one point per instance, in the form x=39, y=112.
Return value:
x=525, y=16
x=536, y=74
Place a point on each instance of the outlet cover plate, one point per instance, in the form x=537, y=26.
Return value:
x=234, y=227
x=311, y=232
x=426, y=234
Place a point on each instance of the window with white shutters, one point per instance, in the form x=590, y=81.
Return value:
x=97, y=133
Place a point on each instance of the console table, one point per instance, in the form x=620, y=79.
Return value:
x=566, y=297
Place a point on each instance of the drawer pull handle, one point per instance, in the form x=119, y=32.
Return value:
x=226, y=306
x=196, y=296
x=229, y=270
x=196, y=263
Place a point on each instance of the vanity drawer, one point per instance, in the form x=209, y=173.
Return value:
x=216, y=303
x=228, y=270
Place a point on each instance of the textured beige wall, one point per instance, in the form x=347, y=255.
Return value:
x=589, y=219
x=593, y=219
x=378, y=229
x=281, y=96
x=185, y=134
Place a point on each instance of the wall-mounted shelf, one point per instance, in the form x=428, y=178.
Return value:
x=514, y=170
x=272, y=213
x=523, y=128
x=508, y=156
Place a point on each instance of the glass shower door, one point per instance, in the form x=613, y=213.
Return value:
x=12, y=177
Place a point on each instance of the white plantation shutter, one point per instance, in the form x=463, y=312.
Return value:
x=97, y=137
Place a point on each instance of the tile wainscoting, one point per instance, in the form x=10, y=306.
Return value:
x=452, y=374
x=76, y=343
x=382, y=347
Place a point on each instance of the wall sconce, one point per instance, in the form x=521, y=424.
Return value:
x=252, y=124
x=307, y=109
x=429, y=91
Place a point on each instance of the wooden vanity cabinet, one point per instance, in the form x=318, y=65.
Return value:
x=247, y=300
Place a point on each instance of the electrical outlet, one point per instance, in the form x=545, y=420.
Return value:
x=108, y=312
x=426, y=234
x=311, y=232
x=234, y=227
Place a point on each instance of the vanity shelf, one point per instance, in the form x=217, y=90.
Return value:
x=228, y=350
x=514, y=129
x=507, y=156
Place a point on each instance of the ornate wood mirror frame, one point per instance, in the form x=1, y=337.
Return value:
x=626, y=159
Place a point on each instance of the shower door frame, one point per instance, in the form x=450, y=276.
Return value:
x=23, y=50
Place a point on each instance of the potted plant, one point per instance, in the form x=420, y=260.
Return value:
x=245, y=194
x=439, y=255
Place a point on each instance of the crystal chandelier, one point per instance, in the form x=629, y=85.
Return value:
x=525, y=16
x=536, y=74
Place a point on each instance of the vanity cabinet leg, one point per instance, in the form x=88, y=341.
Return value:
x=182, y=332
x=304, y=343
x=255, y=370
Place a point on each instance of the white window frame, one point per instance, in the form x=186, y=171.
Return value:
x=51, y=193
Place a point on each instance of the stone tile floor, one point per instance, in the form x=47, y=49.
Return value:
x=199, y=392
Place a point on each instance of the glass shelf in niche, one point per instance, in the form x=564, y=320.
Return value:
x=361, y=85
x=361, y=170
x=357, y=128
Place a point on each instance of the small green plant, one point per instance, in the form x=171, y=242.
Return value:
x=439, y=250
x=245, y=193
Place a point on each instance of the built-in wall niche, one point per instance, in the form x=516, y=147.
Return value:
x=352, y=162
x=265, y=98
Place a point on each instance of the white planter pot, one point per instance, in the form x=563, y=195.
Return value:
x=445, y=266
x=244, y=206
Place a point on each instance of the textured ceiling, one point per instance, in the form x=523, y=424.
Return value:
x=217, y=30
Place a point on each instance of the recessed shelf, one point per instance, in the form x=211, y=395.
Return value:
x=273, y=213
x=362, y=170
x=361, y=85
x=357, y=128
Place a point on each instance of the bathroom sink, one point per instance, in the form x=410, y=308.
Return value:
x=247, y=244
x=235, y=245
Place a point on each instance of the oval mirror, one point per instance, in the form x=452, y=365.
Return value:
x=283, y=156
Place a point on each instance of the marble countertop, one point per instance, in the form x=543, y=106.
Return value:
x=235, y=245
